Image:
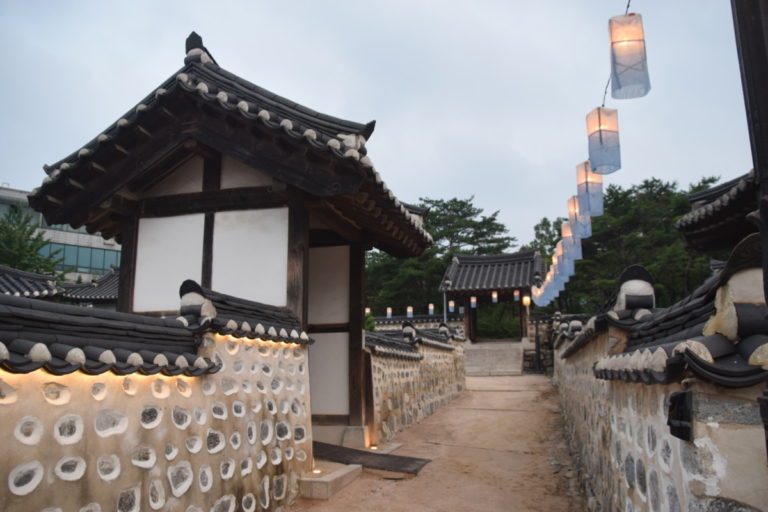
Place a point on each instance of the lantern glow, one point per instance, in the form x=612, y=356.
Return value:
x=451, y=306
x=431, y=309
x=409, y=311
x=473, y=302
x=494, y=296
x=580, y=224
x=589, y=186
x=517, y=295
x=389, y=312
x=603, y=135
x=526, y=301
x=571, y=243
x=367, y=311
x=629, y=64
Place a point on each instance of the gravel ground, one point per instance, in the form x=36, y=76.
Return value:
x=499, y=446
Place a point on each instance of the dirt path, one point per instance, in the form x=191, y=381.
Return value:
x=499, y=446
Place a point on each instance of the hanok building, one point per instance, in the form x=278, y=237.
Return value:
x=213, y=179
x=491, y=278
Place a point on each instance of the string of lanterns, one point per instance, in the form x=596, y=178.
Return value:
x=628, y=80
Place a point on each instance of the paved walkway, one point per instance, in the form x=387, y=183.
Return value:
x=499, y=446
x=485, y=358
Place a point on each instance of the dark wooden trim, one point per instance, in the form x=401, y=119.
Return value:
x=298, y=261
x=173, y=313
x=250, y=198
x=323, y=328
x=357, y=387
x=212, y=172
x=325, y=238
x=207, y=270
x=330, y=419
x=172, y=161
x=332, y=218
x=370, y=413
x=129, y=235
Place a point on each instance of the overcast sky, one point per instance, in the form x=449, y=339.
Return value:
x=483, y=98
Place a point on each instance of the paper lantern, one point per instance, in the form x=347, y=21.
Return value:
x=589, y=187
x=516, y=294
x=367, y=311
x=473, y=302
x=526, y=301
x=389, y=312
x=494, y=296
x=581, y=225
x=431, y=309
x=603, y=134
x=629, y=64
x=451, y=306
x=571, y=243
x=409, y=311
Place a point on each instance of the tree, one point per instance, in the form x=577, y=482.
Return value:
x=546, y=234
x=638, y=227
x=20, y=244
x=457, y=227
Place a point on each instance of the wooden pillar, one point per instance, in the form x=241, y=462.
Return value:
x=298, y=262
x=130, y=233
x=211, y=183
x=357, y=381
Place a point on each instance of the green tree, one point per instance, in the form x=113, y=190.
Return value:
x=638, y=227
x=20, y=244
x=546, y=234
x=457, y=226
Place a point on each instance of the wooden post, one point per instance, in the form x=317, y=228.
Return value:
x=130, y=232
x=298, y=261
x=357, y=381
x=211, y=183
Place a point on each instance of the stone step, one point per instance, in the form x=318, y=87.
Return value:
x=328, y=480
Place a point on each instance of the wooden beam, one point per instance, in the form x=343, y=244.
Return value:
x=330, y=419
x=326, y=328
x=298, y=261
x=216, y=200
x=357, y=383
x=211, y=184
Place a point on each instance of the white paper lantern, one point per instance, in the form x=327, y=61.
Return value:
x=603, y=135
x=629, y=64
x=589, y=188
x=581, y=225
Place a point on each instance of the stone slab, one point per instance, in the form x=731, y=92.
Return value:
x=326, y=484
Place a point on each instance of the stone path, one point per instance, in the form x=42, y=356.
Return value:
x=485, y=358
x=499, y=446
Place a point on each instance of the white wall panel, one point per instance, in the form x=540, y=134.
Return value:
x=236, y=174
x=169, y=250
x=329, y=373
x=328, y=285
x=187, y=178
x=250, y=255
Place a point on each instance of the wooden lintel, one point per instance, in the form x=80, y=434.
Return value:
x=330, y=419
x=215, y=200
x=326, y=328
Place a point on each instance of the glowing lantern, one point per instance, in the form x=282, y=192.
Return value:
x=367, y=311
x=581, y=226
x=603, y=134
x=389, y=312
x=571, y=243
x=431, y=308
x=494, y=296
x=517, y=295
x=473, y=302
x=629, y=65
x=409, y=311
x=451, y=306
x=589, y=186
x=526, y=301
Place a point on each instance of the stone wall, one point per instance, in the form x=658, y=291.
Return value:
x=236, y=439
x=407, y=391
x=629, y=461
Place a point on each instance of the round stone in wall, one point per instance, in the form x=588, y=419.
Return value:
x=160, y=389
x=265, y=432
x=99, y=391
x=282, y=430
x=214, y=441
x=653, y=491
x=629, y=471
x=181, y=417
x=227, y=469
x=246, y=466
x=129, y=500
x=640, y=475
x=234, y=440
x=275, y=455
x=91, y=507
x=151, y=416
x=143, y=457
x=205, y=478
x=278, y=487
x=238, y=408
x=156, y=494
x=229, y=386
x=200, y=414
x=263, y=492
x=70, y=468
x=226, y=503
x=56, y=394
x=170, y=451
x=109, y=422
x=108, y=467
x=183, y=388
x=180, y=478
x=209, y=387
x=301, y=455
x=219, y=411
x=261, y=459
x=28, y=430
x=130, y=387
x=249, y=502
x=194, y=444
x=25, y=478
x=68, y=429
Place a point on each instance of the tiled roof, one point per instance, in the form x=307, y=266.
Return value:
x=102, y=289
x=718, y=215
x=202, y=79
x=203, y=309
x=416, y=319
x=391, y=344
x=492, y=272
x=26, y=284
x=62, y=339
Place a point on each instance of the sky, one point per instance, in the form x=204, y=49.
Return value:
x=477, y=98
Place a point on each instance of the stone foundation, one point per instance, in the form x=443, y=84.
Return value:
x=233, y=440
x=619, y=437
x=407, y=391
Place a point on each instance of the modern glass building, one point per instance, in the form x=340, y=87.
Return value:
x=85, y=256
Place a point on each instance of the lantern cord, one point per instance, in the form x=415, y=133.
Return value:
x=605, y=92
x=626, y=11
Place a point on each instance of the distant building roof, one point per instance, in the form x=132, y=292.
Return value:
x=102, y=289
x=718, y=216
x=498, y=272
x=26, y=284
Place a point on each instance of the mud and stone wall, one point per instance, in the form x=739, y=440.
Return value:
x=407, y=391
x=234, y=440
x=629, y=461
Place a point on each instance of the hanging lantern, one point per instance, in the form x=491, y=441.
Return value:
x=494, y=296
x=367, y=311
x=431, y=309
x=473, y=302
x=629, y=65
x=451, y=306
x=603, y=134
x=409, y=311
x=589, y=186
x=516, y=294
x=389, y=312
x=570, y=242
x=526, y=301
x=581, y=225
